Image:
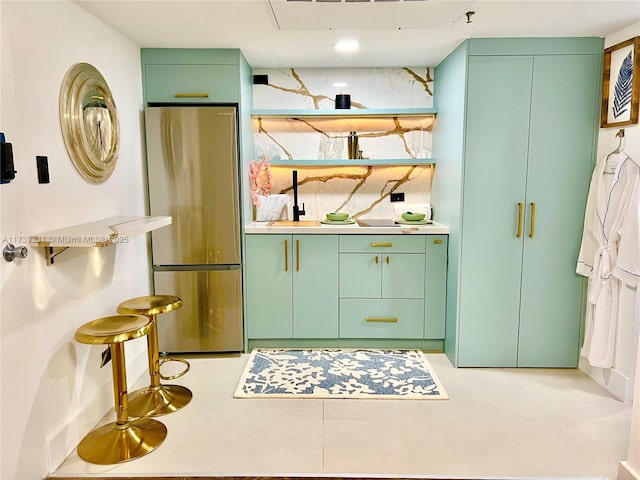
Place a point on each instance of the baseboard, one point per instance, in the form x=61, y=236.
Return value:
x=625, y=472
x=60, y=444
x=613, y=380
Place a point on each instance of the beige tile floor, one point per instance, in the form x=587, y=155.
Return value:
x=497, y=423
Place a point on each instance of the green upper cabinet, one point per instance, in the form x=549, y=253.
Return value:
x=292, y=286
x=191, y=83
x=191, y=75
x=520, y=181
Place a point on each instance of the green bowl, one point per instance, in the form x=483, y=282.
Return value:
x=337, y=216
x=413, y=217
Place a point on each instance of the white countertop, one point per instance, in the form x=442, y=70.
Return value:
x=267, y=227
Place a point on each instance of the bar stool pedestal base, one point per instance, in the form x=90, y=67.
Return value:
x=159, y=400
x=113, y=443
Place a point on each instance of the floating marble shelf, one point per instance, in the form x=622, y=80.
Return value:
x=102, y=233
x=352, y=112
x=360, y=162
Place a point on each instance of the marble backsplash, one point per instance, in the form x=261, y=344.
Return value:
x=316, y=88
x=363, y=192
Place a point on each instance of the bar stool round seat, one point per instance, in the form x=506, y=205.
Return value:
x=126, y=438
x=156, y=399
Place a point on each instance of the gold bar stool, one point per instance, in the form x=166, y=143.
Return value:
x=126, y=438
x=157, y=399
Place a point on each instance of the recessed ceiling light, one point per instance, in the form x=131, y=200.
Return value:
x=340, y=84
x=347, y=46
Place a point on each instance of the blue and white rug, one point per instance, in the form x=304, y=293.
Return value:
x=339, y=373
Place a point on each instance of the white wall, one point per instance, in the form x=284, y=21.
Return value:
x=619, y=380
x=625, y=375
x=52, y=389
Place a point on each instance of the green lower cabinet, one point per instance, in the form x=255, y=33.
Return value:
x=292, y=286
x=377, y=288
x=403, y=275
x=368, y=275
x=435, y=295
x=384, y=283
x=269, y=282
x=315, y=286
x=381, y=318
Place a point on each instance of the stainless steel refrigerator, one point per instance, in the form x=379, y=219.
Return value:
x=192, y=164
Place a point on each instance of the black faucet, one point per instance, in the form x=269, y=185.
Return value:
x=297, y=211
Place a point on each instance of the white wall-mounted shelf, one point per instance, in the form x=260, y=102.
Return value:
x=102, y=233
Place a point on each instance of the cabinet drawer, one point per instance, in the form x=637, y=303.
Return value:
x=382, y=243
x=404, y=318
x=218, y=82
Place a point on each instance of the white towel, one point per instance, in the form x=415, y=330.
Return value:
x=273, y=207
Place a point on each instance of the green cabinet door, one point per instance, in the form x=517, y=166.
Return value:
x=436, y=286
x=563, y=109
x=269, y=286
x=497, y=126
x=360, y=275
x=315, y=286
x=192, y=83
x=403, y=275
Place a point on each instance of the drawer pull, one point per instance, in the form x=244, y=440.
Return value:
x=382, y=319
x=519, y=232
x=286, y=255
x=386, y=244
x=533, y=220
x=377, y=259
x=191, y=95
x=437, y=241
x=387, y=259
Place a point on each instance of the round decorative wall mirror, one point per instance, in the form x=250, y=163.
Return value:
x=89, y=122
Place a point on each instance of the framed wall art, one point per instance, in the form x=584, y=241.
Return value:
x=621, y=84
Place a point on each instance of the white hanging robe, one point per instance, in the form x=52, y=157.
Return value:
x=610, y=252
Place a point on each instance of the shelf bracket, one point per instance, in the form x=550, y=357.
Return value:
x=52, y=252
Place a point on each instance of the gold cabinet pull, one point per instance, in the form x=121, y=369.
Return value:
x=377, y=260
x=520, y=206
x=437, y=241
x=387, y=259
x=382, y=319
x=386, y=244
x=297, y=255
x=286, y=255
x=532, y=225
x=191, y=95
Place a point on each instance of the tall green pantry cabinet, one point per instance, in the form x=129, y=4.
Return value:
x=515, y=141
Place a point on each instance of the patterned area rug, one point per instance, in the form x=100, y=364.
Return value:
x=339, y=373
